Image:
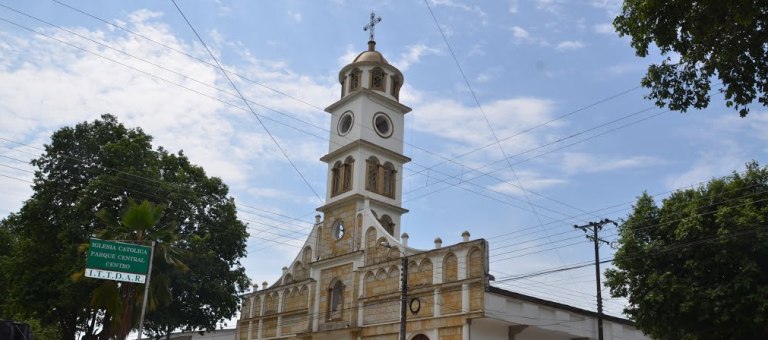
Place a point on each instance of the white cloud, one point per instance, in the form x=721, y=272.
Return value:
x=458, y=5
x=552, y=6
x=574, y=162
x=569, y=45
x=487, y=75
x=624, y=68
x=349, y=55
x=143, y=15
x=527, y=179
x=223, y=10
x=465, y=127
x=40, y=94
x=604, y=28
x=295, y=16
x=520, y=33
x=413, y=55
x=477, y=49
x=513, y=6
x=611, y=7
x=727, y=143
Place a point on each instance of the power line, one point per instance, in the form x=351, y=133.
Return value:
x=490, y=127
x=163, y=79
x=179, y=51
x=246, y=103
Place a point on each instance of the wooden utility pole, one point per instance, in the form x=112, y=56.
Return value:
x=403, y=296
x=595, y=227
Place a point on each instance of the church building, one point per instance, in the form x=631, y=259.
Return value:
x=345, y=282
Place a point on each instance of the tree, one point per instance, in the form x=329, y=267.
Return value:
x=713, y=38
x=697, y=267
x=98, y=166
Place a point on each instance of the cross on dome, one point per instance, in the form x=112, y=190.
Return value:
x=372, y=25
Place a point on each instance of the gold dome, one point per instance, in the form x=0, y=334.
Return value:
x=371, y=55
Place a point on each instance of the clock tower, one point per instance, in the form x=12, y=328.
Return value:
x=365, y=154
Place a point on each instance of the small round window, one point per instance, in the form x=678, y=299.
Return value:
x=382, y=124
x=345, y=123
x=338, y=230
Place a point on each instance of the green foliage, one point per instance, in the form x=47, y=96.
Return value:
x=6, y=244
x=97, y=167
x=713, y=38
x=697, y=268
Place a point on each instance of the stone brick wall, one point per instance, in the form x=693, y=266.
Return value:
x=450, y=333
x=329, y=246
x=270, y=327
x=450, y=300
x=327, y=277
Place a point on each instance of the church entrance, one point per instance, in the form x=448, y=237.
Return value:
x=420, y=337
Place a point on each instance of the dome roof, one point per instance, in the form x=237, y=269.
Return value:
x=371, y=55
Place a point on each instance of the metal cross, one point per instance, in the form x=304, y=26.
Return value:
x=372, y=25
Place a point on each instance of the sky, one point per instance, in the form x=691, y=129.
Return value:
x=548, y=83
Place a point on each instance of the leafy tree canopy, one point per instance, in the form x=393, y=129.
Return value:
x=713, y=38
x=697, y=267
x=97, y=167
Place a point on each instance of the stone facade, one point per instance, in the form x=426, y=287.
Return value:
x=446, y=289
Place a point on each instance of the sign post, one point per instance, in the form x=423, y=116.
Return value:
x=120, y=261
x=146, y=290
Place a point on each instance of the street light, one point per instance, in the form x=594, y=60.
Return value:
x=403, y=287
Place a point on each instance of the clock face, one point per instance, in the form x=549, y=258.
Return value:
x=345, y=123
x=382, y=124
x=338, y=230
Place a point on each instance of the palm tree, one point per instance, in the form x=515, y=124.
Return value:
x=121, y=301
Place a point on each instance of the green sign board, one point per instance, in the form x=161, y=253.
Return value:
x=118, y=257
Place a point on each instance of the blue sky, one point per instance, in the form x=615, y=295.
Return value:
x=556, y=83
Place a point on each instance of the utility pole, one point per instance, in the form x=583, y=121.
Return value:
x=403, y=288
x=403, y=296
x=595, y=227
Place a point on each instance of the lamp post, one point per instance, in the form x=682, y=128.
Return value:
x=403, y=288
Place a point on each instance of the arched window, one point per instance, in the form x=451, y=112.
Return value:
x=270, y=306
x=307, y=256
x=335, y=179
x=343, y=85
x=335, y=300
x=475, y=263
x=425, y=268
x=354, y=79
x=349, y=165
x=396, y=84
x=387, y=223
x=388, y=183
x=378, y=80
x=341, y=176
x=371, y=174
x=450, y=268
x=380, y=179
x=370, y=245
x=420, y=337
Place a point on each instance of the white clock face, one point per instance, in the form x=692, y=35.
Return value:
x=383, y=125
x=345, y=123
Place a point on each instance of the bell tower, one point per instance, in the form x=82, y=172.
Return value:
x=365, y=154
